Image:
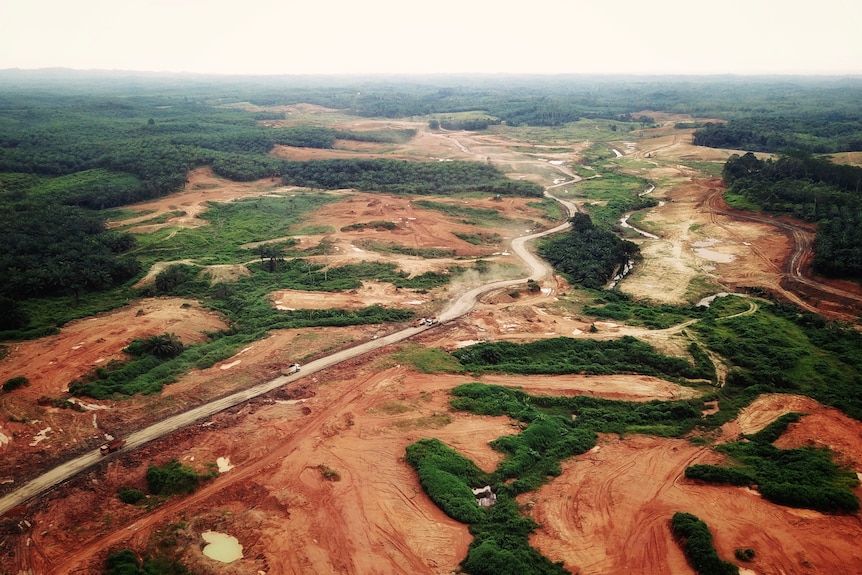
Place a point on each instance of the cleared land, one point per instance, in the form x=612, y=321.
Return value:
x=317, y=480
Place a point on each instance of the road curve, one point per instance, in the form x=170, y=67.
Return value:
x=803, y=241
x=460, y=306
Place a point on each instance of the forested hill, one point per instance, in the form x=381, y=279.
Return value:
x=812, y=189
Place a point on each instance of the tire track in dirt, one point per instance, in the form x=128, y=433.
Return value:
x=141, y=527
x=794, y=269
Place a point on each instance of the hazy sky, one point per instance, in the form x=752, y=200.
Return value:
x=382, y=36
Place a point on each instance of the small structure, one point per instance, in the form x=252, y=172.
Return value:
x=485, y=497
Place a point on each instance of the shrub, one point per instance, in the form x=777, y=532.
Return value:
x=173, y=478
x=122, y=562
x=130, y=496
x=14, y=383
x=328, y=473
x=744, y=554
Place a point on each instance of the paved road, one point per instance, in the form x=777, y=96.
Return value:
x=538, y=270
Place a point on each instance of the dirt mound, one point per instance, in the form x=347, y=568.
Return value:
x=371, y=293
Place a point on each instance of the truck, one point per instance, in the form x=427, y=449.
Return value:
x=112, y=446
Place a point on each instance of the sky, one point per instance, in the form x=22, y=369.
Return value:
x=438, y=36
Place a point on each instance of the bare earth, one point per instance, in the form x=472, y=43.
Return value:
x=313, y=476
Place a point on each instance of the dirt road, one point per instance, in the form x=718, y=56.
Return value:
x=538, y=270
x=796, y=269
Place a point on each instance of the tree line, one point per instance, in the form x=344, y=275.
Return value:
x=813, y=132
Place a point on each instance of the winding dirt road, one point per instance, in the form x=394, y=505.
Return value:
x=539, y=269
x=795, y=269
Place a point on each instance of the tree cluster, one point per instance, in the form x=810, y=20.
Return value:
x=399, y=176
x=587, y=254
x=696, y=540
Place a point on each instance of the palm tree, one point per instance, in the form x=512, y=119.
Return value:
x=165, y=346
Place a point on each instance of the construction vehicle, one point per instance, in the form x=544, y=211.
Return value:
x=112, y=446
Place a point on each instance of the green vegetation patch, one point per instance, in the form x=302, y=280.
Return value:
x=696, y=540
x=95, y=189
x=427, y=359
x=125, y=562
x=788, y=350
x=14, y=383
x=480, y=239
x=563, y=355
x=801, y=477
x=468, y=214
x=174, y=478
x=399, y=176
x=552, y=429
x=447, y=477
x=232, y=224
x=614, y=194
x=393, y=248
x=373, y=225
x=808, y=188
x=620, y=307
x=551, y=208
x=588, y=255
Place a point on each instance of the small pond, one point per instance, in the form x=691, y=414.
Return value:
x=221, y=547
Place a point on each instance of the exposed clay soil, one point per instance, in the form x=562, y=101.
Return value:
x=318, y=483
x=609, y=512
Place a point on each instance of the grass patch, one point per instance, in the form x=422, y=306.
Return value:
x=312, y=230
x=393, y=248
x=551, y=208
x=427, y=359
x=232, y=224
x=712, y=169
x=479, y=238
x=467, y=214
x=612, y=195
x=392, y=408
x=741, y=202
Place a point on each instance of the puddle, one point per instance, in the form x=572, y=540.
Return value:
x=221, y=547
x=715, y=256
